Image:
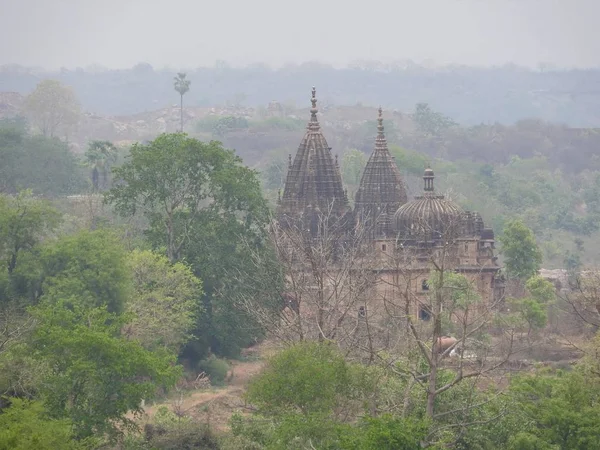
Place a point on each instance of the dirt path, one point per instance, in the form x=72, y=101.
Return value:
x=215, y=405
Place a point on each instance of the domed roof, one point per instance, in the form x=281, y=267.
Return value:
x=429, y=216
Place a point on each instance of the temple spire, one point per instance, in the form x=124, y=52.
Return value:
x=381, y=191
x=380, y=141
x=313, y=183
x=313, y=125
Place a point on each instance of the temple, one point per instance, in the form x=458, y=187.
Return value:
x=405, y=238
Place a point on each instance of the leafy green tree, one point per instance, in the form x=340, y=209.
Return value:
x=533, y=309
x=100, y=156
x=409, y=161
x=430, y=122
x=310, y=395
x=353, y=165
x=96, y=376
x=88, y=268
x=306, y=378
x=52, y=107
x=25, y=425
x=189, y=188
x=24, y=221
x=563, y=409
x=522, y=256
x=176, y=181
x=386, y=433
x=181, y=85
x=46, y=166
x=164, y=301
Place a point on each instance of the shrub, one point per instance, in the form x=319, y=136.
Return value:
x=185, y=436
x=215, y=368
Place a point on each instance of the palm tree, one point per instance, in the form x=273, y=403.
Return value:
x=182, y=86
x=100, y=156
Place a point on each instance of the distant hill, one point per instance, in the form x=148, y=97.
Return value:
x=468, y=95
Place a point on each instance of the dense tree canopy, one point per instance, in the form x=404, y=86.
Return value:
x=164, y=301
x=44, y=165
x=522, y=257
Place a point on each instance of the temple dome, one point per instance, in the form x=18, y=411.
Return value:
x=429, y=216
x=381, y=191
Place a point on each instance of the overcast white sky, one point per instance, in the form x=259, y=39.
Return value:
x=191, y=33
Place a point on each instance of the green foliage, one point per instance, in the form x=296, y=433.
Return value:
x=88, y=268
x=410, y=161
x=430, y=122
x=542, y=290
x=181, y=84
x=96, y=376
x=215, y=368
x=386, y=433
x=457, y=290
x=563, y=409
x=44, y=165
x=190, y=188
x=177, y=181
x=353, y=165
x=522, y=256
x=184, y=436
x=164, y=302
x=221, y=125
x=24, y=222
x=25, y=425
x=100, y=157
x=306, y=378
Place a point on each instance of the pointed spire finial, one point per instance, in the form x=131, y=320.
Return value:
x=380, y=141
x=314, y=123
x=289, y=160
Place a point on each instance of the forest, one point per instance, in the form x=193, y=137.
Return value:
x=470, y=95
x=136, y=277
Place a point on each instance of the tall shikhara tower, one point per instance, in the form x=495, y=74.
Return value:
x=313, y=192
x=381, y=191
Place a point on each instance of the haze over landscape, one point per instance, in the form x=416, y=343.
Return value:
x=271, y=225
x=187, y=34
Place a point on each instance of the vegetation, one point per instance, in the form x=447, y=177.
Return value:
x=43, y=165
x=182, y=86
x=179, y=274
x=53, y=108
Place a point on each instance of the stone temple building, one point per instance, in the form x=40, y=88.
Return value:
x=404, y=236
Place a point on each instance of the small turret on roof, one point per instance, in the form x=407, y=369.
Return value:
x=381, y=191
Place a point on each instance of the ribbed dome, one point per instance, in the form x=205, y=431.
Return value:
x=429, y=216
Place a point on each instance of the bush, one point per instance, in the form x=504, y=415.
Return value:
x=185, y=436
x=215, y=368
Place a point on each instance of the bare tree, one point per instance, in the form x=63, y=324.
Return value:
x=582, y=297
x=445, y=322
x=325, y=277
x=52, y=107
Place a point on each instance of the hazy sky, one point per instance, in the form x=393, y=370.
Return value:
x=191, y=33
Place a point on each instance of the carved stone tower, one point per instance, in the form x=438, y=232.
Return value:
x=313, y=192
x=381, y=191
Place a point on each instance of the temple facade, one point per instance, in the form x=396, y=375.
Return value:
x=403, y=241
